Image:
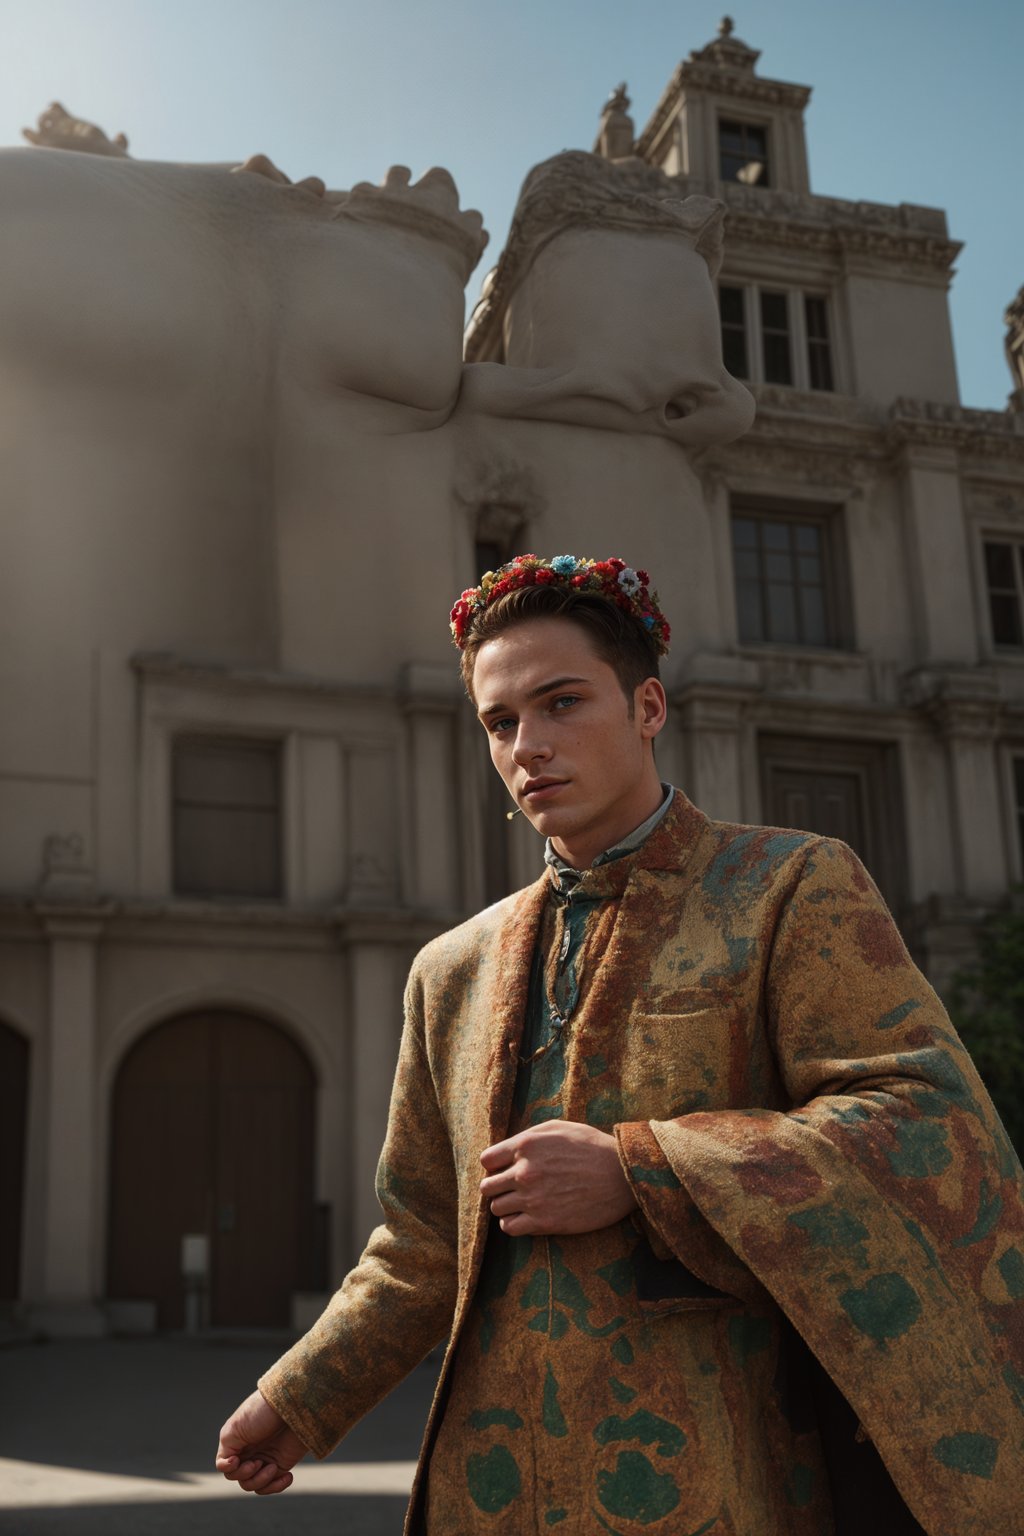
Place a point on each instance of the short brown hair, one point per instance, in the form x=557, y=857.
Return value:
x=617, y=637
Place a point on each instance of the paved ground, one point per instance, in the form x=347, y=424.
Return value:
x=116, y=1437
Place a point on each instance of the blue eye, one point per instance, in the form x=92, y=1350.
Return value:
x=496, y=727
x=565, y=700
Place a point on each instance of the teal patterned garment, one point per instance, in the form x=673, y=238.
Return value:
x=802, y=1130
x=565, y=1333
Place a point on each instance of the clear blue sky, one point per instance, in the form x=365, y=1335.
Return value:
x=914, y=100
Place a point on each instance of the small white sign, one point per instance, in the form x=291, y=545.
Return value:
x=195, y=1255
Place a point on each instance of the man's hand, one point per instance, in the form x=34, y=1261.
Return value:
x=257, y=1449
x=561, y=1176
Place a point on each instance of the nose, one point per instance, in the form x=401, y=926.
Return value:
x=530, y=744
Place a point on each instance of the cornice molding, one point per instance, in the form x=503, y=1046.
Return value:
x=804, y=231
x=185, y=671
x=796, y=424
x=207, y=924
x=933, y=424
x=697, y=75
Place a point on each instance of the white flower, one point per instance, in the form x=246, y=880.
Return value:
x=629, y=581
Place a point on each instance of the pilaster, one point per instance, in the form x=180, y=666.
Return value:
x=963, y=708
x=430, y=700
x=712, y=715
x=67, y=1306
x=937, y=557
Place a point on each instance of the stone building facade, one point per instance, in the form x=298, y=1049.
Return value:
x=229, y=822
x=861, y=669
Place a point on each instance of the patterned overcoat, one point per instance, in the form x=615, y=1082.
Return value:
x=802, y=1130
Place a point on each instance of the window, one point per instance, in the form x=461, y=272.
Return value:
x=227, y=817
x=776, y=336
x=819, y=353
x=786, y=592
x=778, y=365
x=743, y=153
x=734, y=332
x=1004, y=576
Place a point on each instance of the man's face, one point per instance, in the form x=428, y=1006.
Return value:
x=572, y=754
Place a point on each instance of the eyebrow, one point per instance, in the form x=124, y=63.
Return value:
x=534, y=693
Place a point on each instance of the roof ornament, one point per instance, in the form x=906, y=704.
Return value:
x=727, y=51
x=59, y=129
x=615, y=135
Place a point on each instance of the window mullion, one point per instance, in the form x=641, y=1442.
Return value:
x=798, y=339
x=755, y=344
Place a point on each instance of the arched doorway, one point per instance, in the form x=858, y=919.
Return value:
x=14, y=1057
x=212, y=1132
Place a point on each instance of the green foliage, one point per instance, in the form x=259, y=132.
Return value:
x=987, y=1007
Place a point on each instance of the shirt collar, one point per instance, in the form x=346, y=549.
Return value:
x=568, y=877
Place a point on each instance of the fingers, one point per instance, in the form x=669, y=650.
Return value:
x=498, y=1184
x=258, y=1476
x=522, y=1224
x=500, y=1155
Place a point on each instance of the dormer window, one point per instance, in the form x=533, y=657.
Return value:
x=743, y=152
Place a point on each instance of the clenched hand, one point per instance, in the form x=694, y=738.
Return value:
x=558, y=1177
x=257, y=1450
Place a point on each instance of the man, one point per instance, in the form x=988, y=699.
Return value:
x=727, y=1132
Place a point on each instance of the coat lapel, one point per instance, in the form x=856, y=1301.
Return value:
x=507, y=1001
x=647, y=921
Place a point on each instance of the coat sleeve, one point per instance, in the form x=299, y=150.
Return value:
x=883, y=1211
x=399, y=1300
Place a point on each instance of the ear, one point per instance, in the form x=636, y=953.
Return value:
x=650, y=707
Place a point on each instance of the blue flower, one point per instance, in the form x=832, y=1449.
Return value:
x=564, y=565
x=648, y=621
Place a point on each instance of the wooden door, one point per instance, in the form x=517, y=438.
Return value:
x=845, y=789
x=14, y=1059
x=829, y=802
x=213, y=1133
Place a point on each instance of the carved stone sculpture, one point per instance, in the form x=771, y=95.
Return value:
x=611, y=315
x=242, y=390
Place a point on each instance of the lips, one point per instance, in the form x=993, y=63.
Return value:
x=534, y=791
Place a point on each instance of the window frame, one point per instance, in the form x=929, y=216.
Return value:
x=1004, y=650
x=273, y=746
x=800, y=340
x=763, y=127
x=829, y=519
x=1011, y=764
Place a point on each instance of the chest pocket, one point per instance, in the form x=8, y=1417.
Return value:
x=697, y=1058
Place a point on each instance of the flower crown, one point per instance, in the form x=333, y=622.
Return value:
x=612, y=579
